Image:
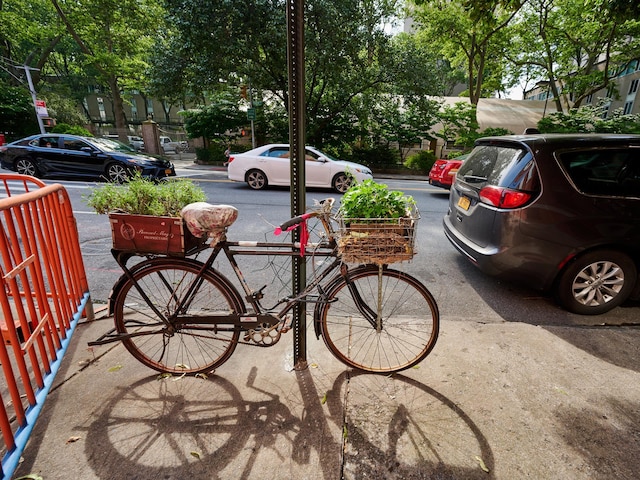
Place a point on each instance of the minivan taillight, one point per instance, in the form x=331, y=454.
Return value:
x=503, y=197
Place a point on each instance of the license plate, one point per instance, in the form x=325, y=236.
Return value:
x=464, y=202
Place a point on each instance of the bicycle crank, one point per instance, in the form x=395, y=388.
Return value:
x=264, y=335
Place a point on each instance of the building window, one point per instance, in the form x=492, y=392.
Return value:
x=103, y=113
x=633, y=88
x=628, y=106
x=589, y=98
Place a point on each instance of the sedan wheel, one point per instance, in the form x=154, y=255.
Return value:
x=596, y=282
x=257, y=179
x=24, y=166
x=341, y=182
x=116, y=173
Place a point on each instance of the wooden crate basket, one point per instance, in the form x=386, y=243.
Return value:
x=151, y=234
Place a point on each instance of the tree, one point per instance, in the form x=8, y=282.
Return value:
x=459, y=125
x=17, y=115
x=577, y=46
x=213, y=121
x=469, y=35
x=114, y=39
x=349, y=58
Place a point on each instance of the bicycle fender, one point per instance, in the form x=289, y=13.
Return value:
x=330, y=289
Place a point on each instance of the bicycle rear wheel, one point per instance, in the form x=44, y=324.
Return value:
x=386, y=321
x=167, y=347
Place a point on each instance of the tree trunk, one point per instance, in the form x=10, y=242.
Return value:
x=120, y=119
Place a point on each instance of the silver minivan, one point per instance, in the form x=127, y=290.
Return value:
x=555, y=212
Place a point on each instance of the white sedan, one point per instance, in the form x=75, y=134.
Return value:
x=269, y=165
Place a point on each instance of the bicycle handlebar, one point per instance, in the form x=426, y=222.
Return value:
x=325, y=207
x=292, y=222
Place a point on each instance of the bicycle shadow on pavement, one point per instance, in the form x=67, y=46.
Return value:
x=320, y=427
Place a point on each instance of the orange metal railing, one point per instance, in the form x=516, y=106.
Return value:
x=44, y=293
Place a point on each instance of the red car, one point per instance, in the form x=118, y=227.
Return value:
x=443, y=172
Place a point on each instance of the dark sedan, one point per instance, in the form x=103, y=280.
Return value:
x=62, y=155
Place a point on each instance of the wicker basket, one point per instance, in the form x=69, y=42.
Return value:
x=378, y=240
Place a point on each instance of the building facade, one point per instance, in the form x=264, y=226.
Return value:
x=621, y=94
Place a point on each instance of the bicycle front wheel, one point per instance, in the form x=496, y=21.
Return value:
x=380, y=320
x=158, y=342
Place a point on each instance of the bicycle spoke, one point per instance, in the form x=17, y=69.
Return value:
x=404, y=332
x=176, y=348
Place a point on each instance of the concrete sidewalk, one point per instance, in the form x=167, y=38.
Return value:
x=493, y=400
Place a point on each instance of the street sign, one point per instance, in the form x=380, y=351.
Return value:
x=251, y=114
x=41, y=108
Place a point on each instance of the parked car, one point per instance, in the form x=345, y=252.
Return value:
x=169, y=146
x=73, y=156
x=133, y=141
x=269, y=165
x=137, y=143
x=443, y=171
x=555, y=212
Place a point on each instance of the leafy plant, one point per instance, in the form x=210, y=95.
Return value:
x=421, y=161
x=144, y=197
x=369, y=199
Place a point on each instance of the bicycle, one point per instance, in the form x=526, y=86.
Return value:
x=183, y=316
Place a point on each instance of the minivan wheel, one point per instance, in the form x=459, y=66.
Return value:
x=596, y=282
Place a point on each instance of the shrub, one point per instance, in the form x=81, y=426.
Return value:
x=71, y=130
x=421, y=161
x=376, y=156
x=145, y=197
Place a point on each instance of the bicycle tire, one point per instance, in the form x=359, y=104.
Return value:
x=410, y=320
x=187, y=349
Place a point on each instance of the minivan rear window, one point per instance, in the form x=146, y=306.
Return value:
x=500, y=166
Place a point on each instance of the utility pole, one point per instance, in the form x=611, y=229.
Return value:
x=33, y=95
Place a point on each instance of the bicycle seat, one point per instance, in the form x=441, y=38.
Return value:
x=204, y=219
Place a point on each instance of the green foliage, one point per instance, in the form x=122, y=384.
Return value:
x=469, y=37
x=380, y=155
x=213, y=121
x=17, y=115
x=214, y=153
x=487, y=132
x=71, y=129
x=369, y=199
x=145, y=197
x=588, y=119
x=459, y=124
x=64, y=108
x=421, y=161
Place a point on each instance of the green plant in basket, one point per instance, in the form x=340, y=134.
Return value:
x=369, y=199
x=140, y=196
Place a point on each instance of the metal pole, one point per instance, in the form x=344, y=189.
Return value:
x=295, y=61
x=33, y=96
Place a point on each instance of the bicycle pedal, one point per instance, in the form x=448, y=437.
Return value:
x=286, y=326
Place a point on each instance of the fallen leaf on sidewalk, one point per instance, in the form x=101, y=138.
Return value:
x=73, y=439
x=482, y=465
